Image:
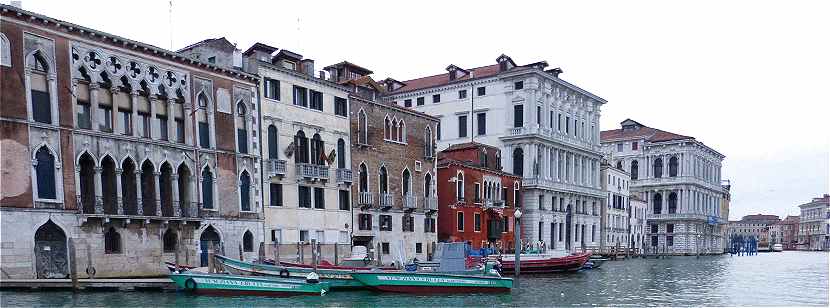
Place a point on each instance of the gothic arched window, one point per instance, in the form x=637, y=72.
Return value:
x=45, y=173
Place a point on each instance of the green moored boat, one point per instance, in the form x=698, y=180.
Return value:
x=424, y=282
x=336, y=278
x=220, y=284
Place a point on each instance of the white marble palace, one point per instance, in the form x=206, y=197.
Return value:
x=680, y=178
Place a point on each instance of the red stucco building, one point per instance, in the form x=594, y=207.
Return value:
x=476, y=199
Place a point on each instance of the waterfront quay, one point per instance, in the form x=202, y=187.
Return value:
x=790, y=278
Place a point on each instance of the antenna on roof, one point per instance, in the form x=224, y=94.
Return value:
x=298, y=33
x=170, y=21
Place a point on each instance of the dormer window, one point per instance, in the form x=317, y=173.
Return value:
x=289, y=65
x=212, y=60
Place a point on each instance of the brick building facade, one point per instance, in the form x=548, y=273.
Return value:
x=395, y=197
x=101, y=146
x=476, y=198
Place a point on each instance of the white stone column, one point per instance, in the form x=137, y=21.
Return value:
x=99, y=200
x=187, y=117
x=114, y=113
x=172, y=134
x=93, y=105
x=155, y=129
x=139, y=202
x=119, y=192
x=156, y=176
x=135, y=117
x=177, y=209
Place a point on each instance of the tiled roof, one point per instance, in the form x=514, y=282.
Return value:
x=467, y=145
x=640, y=132
x=442, y=79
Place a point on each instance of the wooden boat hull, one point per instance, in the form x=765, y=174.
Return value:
x=413, y=282
x=549, y=265
x=338, y=279
x=232, y=285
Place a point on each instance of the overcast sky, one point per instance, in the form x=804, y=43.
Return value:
x=749, y=79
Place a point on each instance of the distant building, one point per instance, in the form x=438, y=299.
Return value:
x=756, y=226
x=814, y=224
x=788, y=232
x=680, y=178
x=477, y=199
x=637, y=221
x=615, y=212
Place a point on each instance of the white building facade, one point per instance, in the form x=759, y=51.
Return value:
x=814, y=224
x=547, y=128
x=680, y=179
x=615, y=211
x=637, y=222
x=306, y=150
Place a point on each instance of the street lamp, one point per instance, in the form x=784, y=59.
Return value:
x=517, y=238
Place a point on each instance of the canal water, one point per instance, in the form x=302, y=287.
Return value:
x=771, y=279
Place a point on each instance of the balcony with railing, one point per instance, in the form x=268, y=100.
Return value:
x=386, y=201
x=409, y=202
x=275, y=167
x=430, y=203
x=344, y=175
x=491, y=203
x=312, y=171
x=365, y=199
x=553, y=135
x=119, y=208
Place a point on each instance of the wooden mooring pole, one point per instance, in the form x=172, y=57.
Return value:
x=73, y=265
x=314, y=253
x=211, y=269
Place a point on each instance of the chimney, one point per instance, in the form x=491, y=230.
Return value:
x=308, y=67
x=323, y=75
x=333, y=74
x=237, y=59
x=17, y=4
x=555, y=72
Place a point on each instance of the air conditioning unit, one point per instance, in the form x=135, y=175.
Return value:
x=418, y=166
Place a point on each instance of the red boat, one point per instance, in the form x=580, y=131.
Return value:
x=326, y=265
x=542, y=263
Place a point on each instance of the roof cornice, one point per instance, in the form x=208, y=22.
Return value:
x=28, y=17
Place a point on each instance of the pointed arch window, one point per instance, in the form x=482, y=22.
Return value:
x=45, y=173
x=245, y=192
x=5, y=51
x=112, y=241
x=383, y=180
x=273, y=149
x=39, y=85
x=363, y=178
x=363, y=128
x=428, y=185
x=241, y=128
x=387, y=128
x=401, y=131
x=202, y=119
x=406, y=180
x=207, y=189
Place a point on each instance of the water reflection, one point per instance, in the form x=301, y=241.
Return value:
x=774, y=279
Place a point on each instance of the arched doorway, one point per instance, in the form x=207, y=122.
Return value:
x=51, y=258
x=210, y=235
